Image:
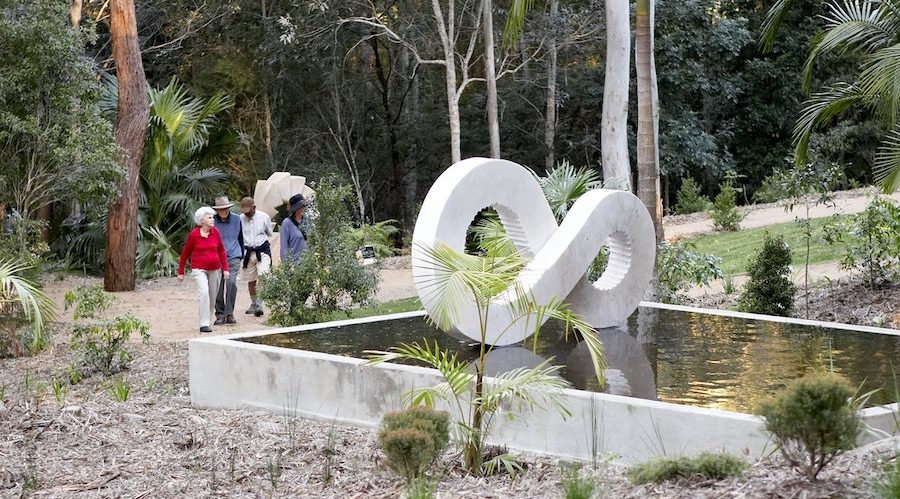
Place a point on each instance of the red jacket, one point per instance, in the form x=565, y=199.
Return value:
x=206, y=253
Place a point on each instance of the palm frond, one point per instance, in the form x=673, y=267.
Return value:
x=820, y=109
x=565, y=184
x=37, y=307
x=774, y=18
x=492, y=237
x=204, y=182
x=515, y=21
x=454, y=371
x=460, y=278
x=507, y=462
x=850, y=25
x=886, y=167
x=156, y=254
x=879, y=81
x=534, y=387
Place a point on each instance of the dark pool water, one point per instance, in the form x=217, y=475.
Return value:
x=687, y=358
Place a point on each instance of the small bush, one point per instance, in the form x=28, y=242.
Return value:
x=413, y=438
x=706, y=466
x=689, y=198
x=724, y=214
x=873, y=241
x=102, y=344
x=770, y=289
x=577, y=486
x=680, y=267
x=771, y=189
x=813, y=420
x=327, y=278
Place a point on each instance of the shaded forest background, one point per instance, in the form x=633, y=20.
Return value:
x=308, y=87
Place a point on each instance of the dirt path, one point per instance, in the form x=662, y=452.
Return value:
x=171, y=307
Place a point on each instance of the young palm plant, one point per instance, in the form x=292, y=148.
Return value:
x=22, y=303
x=463, y=278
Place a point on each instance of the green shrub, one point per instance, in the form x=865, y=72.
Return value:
x=770, y=289
x=413, y=438
x=325, y=279
x=887, y=486
x=103, y=343
x=812, y=420
x=379, y=235
x=689, y=198
x=680, y=267
x=25, y=311
x=771, y=189
x=873, y=241
x=724, y=213
x=706, y=466
x=577, y=486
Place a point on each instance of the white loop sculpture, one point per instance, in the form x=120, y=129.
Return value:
x=560, y=254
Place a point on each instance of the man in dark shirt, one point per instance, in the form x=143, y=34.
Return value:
x=229, y=227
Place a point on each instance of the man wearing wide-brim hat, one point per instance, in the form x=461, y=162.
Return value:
x=293, y=230
x=229, y=226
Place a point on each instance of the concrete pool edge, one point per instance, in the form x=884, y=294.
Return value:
x=279, y=380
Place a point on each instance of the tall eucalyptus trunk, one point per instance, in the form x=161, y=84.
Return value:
x=550, y=115
x=490, y=77
x=614, y=119
x=131, y=127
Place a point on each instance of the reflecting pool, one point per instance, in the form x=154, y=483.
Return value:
x=674, y=356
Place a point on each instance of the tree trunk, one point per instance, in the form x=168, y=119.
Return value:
x=388, y=130
x=411, y=112
x=449, y=77
x=490, y=76
x=550, y=115
x=648, y=115
x=614, y=120
x=131, y=127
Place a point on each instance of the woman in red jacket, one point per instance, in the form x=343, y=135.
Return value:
x=208, y=262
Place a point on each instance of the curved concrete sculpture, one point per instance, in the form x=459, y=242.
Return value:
x=276, y=190
x=560, y=254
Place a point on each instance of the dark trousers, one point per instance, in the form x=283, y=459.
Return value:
x=227, y=294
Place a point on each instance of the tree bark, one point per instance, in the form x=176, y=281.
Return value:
x=648, y=115
x=614, y=119
x=447, y=38
x=131, y=127
x=490, y=76
x=550, y=115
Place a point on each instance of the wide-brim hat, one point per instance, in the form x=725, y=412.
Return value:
x=297, y=201
x=221, y=203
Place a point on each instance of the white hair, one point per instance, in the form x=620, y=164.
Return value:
x=201, y=213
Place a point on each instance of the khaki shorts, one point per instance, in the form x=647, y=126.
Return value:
x=255, y=269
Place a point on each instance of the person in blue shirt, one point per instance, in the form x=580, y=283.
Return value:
x=293, y=229
x=229, y=227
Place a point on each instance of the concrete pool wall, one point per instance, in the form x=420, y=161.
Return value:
x=228, y=374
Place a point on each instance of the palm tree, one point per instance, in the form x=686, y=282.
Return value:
x=178, y=172
x=460, y=280
x=22, y=303
x=178, y=175
x=871, y=27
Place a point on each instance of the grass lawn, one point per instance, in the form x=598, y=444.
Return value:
x=736, y=249
x=389, y=307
